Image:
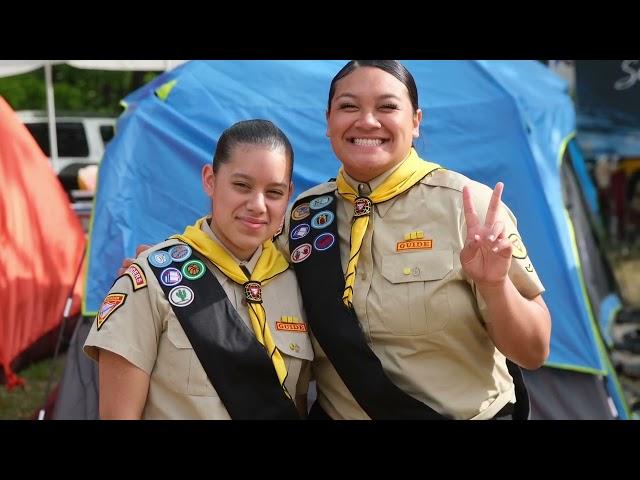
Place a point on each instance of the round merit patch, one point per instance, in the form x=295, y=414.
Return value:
x=322, y=219
x=300, y=231
x=300, y=212
x=180, y=252
x=301, y=253
x=159, y=259
x=519, y=250
x=193, y=269
x=170, y=277
x=181, y=296
x=320, y=202
x=324, y=241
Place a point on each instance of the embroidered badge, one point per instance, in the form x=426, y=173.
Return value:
x=301, y=211
x=322, y=219
x=110, y=304
x=181, y=296
x=180, y=252
x=300, y=231
x=159, y=259
x=291, y=324
x=253, y=292
x=519, y=250
x=137, y=277
x=170, y=277
x=529, y=268
x=361, y=207
x=414, y=245
x=193, y=269
x=418, y=235
x=324, y=241
x=320, y=202
x=301, y=253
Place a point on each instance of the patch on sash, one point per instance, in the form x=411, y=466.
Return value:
x=519, y=250
x=301, y=253
x=322, y=219
x=320, y=202
x=170, y=276
x=301, y=211
x=300, y=231
x=110, y=304
x=324, y=241
x=180, y=252
x=135, y=273
x=181, y=296
x=361, y=207
x=253, y=292
x=414, y=245
x=193, y=269
x=291, y=324
x=159, y=259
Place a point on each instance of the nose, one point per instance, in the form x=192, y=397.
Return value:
x=256, y=203
x=368, y=120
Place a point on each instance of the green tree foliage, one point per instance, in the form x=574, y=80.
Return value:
x=75, y=90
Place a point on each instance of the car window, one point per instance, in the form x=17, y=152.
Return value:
x=72, y=141
x=106, y=132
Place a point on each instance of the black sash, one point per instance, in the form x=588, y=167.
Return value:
x=336, y=327
x=237, y=364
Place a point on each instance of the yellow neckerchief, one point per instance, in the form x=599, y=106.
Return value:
x=411, y=171
x=270, y=264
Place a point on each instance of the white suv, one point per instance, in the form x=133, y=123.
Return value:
x=81, y=141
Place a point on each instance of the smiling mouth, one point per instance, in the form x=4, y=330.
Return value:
x=253, y=223
x=367, y=142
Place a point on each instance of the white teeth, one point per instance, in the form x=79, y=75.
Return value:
x=367, y=142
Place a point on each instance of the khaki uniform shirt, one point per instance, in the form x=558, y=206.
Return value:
x=420, y=314
x=146, y=332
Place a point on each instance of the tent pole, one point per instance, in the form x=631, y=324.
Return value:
x=51, y=114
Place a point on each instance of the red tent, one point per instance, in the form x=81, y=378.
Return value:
x=41, y=245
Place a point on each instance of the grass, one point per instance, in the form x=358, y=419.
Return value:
x=22, y=402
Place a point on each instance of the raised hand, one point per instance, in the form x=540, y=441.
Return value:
x=126, y=263
x=486, y=256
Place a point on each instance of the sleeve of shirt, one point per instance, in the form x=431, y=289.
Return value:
x=282, y=240
x=128, y=321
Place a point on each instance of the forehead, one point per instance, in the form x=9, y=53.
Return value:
x=370, y=81
x=256, y=159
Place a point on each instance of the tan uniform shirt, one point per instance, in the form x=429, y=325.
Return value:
x=146, y=332
x=420, y=314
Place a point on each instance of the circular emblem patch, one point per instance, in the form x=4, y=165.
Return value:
x=300, y=212
x=324, y=241
x=170, y=277
x=180, y=252
x=519, y=250
x=301, y=253
x=159, y=259
x=181, y=296
x=322, y=219
x=193, y=269
x=300, y=231
x=320, y=202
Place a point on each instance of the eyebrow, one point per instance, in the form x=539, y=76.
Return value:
x=386, y=96
x=244, y=176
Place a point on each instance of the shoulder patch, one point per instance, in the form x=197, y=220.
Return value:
x=111, y=303
x=519, y=250
x=135, y=273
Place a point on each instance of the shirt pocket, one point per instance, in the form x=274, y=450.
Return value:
x=416, y=299
x=185, y=373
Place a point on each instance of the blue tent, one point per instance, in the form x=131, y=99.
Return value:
x=490, y=120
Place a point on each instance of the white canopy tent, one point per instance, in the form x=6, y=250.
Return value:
x=17, y=67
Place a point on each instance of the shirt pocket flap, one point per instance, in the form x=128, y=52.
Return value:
x=176, y=334
x=417, y=266
x=294, y=343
